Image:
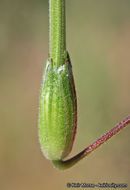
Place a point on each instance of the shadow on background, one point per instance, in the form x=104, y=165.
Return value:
x=98, y=40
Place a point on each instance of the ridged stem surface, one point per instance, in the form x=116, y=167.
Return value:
x=57, y=30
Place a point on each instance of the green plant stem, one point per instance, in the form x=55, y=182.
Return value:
x=57, y=31
x=57, y=54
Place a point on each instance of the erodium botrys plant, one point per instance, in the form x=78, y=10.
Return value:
x=58, y=103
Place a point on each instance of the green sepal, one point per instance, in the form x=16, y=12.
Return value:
x=58, y=110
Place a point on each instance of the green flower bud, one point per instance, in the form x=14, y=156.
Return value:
x=58, y=110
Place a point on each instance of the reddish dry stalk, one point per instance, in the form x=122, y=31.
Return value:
x=70, y=162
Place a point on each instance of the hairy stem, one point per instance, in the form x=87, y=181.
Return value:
x=64, y=164
x=57, y=50
x=57, y=31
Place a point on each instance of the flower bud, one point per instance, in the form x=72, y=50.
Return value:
x=58, y=110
